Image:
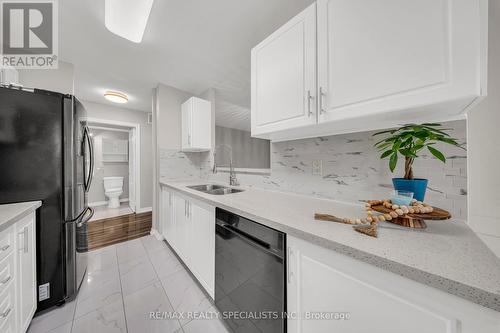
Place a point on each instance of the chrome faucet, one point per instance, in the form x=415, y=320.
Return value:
x=233, y=181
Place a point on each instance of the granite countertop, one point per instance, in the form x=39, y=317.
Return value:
x=11, y=213
x=447, y=255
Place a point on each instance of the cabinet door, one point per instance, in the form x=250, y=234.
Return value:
x=203, y=242
x=284, y=76
x=201, y=126
x=379, y=56
x=186, y=117
x=26, y=272
x=182, y=228
x=368, y=299
x=167, y=217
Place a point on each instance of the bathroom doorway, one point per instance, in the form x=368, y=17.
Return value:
x=116, y=180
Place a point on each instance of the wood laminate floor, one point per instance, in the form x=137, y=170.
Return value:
x=118, y=229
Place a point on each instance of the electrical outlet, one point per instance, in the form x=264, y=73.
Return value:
x=317, y=167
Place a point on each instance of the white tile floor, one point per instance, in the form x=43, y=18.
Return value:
x=103, y=212
x=124, y=283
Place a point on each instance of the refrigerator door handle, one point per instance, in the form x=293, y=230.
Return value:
x=86, y=219
x=88, y=179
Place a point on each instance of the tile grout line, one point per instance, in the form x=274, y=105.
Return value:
x=76, y=304
x=161, y=284
x=121, y=287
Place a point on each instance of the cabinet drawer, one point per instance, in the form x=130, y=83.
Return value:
x=7, y=272
x=7, y=310
x=6, y=242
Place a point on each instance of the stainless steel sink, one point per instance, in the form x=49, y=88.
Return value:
x=214, y=189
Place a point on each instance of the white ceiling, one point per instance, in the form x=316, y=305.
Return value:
x=232, y=116
x=192, y=45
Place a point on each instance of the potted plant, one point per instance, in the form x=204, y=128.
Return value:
x=408, y=141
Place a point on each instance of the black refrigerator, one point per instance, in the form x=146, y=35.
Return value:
x=46, y=154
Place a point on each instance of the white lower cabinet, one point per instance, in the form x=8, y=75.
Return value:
x=18, y=275
x=330, y=292
x=203, y=244
x=26, y=271
x=189, y=227
x=182, y=228
x=167, y=217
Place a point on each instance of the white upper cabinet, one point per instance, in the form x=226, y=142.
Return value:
x=284, y=76
x=196, y=125
x=380, y=63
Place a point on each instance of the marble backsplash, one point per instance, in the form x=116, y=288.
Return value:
x=351, y=169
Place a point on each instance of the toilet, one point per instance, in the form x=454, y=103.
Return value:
x=113, y=188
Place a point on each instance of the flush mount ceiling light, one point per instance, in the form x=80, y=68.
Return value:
x=116, y=97
x=127, y=18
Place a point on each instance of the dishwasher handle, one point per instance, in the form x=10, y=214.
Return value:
x=252, y=240
x=246, y=235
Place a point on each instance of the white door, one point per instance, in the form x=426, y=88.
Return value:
x=203, y=244
x=26, y=255
x=131, y=170
x=284, y=76
x=378, y=56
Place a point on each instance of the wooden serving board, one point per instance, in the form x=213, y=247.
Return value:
x=415, y=220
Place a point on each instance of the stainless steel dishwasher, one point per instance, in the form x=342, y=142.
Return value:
x=250, y=289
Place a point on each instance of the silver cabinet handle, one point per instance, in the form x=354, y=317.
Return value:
x=189, y=139
x=185, y=208
x=5, y=248
x=6, y=313
x=321, y=94
x=288, y=264
x=189, y=209
x=309, y=97
x=6, y=280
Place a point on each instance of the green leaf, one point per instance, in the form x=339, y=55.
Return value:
x=383, y=132
x=393, y=161
x=450, y=141
x=407, y=153
x=439, y=155
x=385, y=154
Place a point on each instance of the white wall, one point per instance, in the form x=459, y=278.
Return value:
x=58, y=80
x=168, y=116
x=166, y=107
x=107, y=112
x=483, y=149
x=106, y=169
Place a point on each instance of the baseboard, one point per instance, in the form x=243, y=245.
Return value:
x=98, y=203
x=144, y=210
x=155, y=233
x=104, y=203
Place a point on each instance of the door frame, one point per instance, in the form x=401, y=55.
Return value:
x=136, y=127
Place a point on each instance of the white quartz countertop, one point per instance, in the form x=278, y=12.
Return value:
x=447, y=255
x=11, y=213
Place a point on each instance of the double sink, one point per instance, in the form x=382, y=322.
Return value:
x=214, y=189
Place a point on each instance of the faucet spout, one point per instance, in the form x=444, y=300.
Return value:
x=233, y=181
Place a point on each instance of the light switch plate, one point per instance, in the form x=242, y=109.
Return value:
x=317, y=167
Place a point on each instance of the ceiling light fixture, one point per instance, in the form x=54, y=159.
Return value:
x=127, y=18
x=116, y=97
